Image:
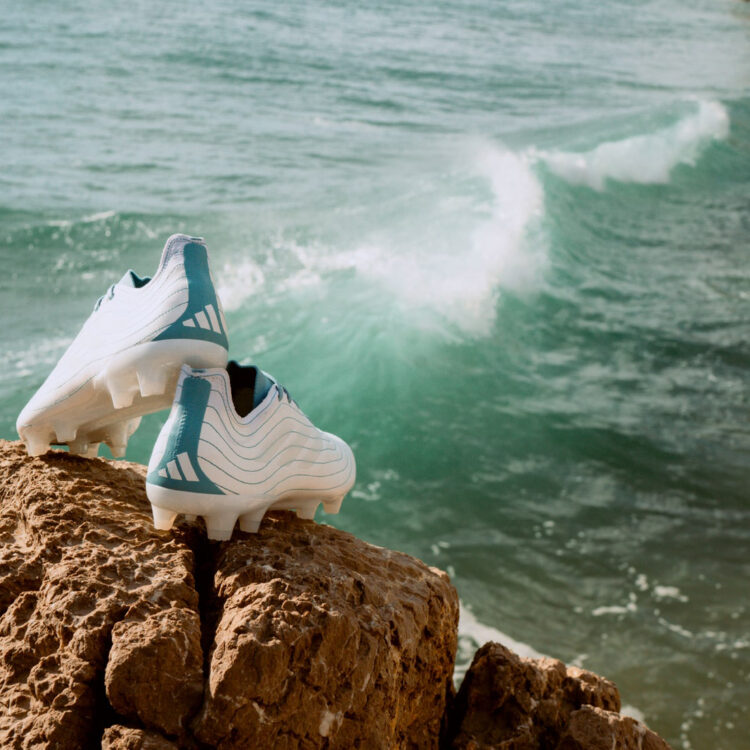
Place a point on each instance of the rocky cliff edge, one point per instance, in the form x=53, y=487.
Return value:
x=117, y=636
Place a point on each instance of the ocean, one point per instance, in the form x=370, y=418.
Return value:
x=501, y=248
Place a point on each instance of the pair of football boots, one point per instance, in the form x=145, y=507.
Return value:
x=235, y=444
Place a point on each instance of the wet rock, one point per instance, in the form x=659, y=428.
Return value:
x=506, y=701
x=592, y=728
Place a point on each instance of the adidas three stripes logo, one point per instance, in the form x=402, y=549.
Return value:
x=184, y=471
x=205, y=318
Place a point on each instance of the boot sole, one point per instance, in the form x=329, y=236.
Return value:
x=221, y=512
x=108, y=407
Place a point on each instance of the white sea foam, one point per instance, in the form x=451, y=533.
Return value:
x=501, y=245
x=643, y=159
x=235, y=283
x=675, y=628
x=461, y=279
x=617, y=609
x=613, y=610
x=470, y=627
x=89, y=219
x=458, y=255
x=455, y=274
x=100, y=216
x=669, y=592
x=458, y=274
x=634, y=713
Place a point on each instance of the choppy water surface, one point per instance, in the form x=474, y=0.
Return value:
x=500, y=248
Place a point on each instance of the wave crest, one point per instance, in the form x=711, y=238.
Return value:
x=460, y=279
x=449, y=263
x=643, y=159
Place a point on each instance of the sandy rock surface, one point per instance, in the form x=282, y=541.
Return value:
x=115, y=635
x=117, y=737
x=510, y=703
x=592, y=728
x=322, y=640
x=78, y=555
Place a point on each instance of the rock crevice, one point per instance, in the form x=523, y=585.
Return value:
x=115, y=635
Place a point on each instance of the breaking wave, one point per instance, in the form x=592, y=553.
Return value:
x=643, y=159
x=453, y=260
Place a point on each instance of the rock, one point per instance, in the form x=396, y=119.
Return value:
x=124, y=738
x=117, y=636
x=154, y=673
x=313, y=637
x=592, y=728
x=325, y=641
x=506, y=701
x=78, y=554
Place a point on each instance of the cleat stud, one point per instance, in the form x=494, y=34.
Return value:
x=250, y=522
x=118, y=449
x=36, y=446
x=308, y=511
x=93, y=450
x=118, y=434
x=80, y=447
x=219, y=526
x=121, y=399
x=130, y=427
x=152, y=382
x=65, y=433
x=163, y=518
x=334, y=506
x=122, y=390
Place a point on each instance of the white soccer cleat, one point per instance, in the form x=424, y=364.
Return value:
x=236, y=445
x=126, y=359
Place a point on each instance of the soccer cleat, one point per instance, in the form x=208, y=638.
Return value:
x=236, y=445
x=126, y=359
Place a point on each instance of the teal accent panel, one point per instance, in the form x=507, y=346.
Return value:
x=263, y=384
x=184, y=437
x=201, y=294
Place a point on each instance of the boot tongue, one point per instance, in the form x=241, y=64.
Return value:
x=131, y=278
x=249, y=386
x=262, y=385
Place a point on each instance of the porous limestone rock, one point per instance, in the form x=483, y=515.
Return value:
x=78, y=555
x=313, y=638
x=592, y=728
x=507, y=701
x=155, y=669
x=510, y=703
x=117, y=636
x=117, y=737
x=322, y=640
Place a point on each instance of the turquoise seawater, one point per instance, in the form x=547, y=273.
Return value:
x=501, y=248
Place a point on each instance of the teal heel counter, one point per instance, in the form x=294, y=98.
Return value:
x=202, y=319
x=178, y=468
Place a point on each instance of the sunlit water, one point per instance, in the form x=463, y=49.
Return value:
x=502, y=249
